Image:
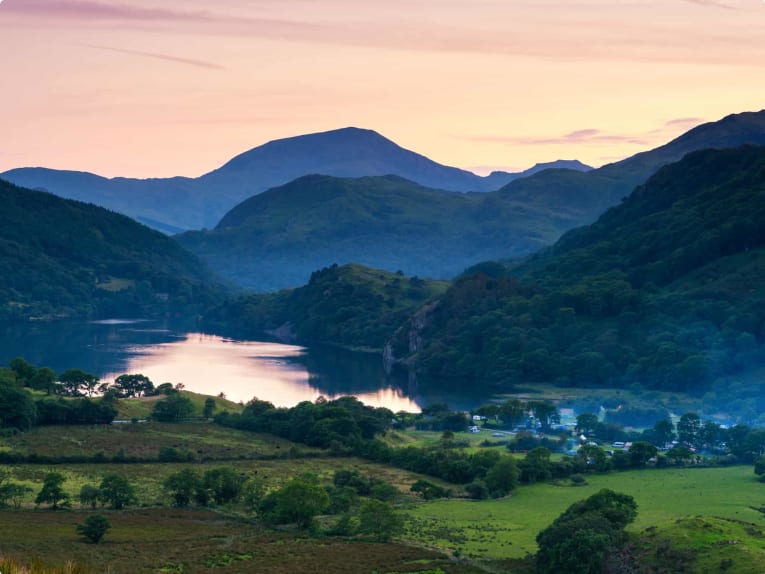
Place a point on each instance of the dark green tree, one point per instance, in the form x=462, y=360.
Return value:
x=89, y=495
x=134, y=385
x=52, y=491
x=224, y=484
x=502, y=477
x=182, y=486
x=74, y=381
x=586, y=423
x=174, y=408
x=116, y=490
x=94, y=528
x=640, y=453
x=379, y=520
x=209, y=407
x=579, y=540
x=17, y=408
x=689, y=430
x=298, y=501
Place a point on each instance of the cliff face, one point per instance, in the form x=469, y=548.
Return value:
x=407, y=341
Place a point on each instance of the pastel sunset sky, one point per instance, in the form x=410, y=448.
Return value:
x=154, y=88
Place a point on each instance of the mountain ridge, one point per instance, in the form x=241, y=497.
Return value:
x=182, y=203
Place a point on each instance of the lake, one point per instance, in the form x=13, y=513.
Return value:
x=210, y=364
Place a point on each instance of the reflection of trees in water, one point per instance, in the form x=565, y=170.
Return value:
x=96, y=348
x=340, y=372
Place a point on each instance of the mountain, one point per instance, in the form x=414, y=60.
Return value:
x=665, y=290
x=592, y=192
x=60, y=257
x=177, y=204
x=276, y=239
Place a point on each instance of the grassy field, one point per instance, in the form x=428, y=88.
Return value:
x=141, y=408
x=166, y=540
x=506, y=528
x=145, y=440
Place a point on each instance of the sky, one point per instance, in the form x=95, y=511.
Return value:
x=157, y=88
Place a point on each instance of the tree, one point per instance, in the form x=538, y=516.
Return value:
x=182, y=486
x=224, y=484
x=688, y=430
x=94, y=528
x=74, y=380
x=116, y=490
x=513, y=412
x=380, y=520
x=640, y=453
x=586, y=423
x=545, y=412
x=24, y=370
x=17, y=408
x=502, y=477
x=44, y=379
x=52, y=491
x=579, y=540
x=663, y=433
x=174, y=408
x=536, y=465
x=298, y=501
x=11, y=491
x=209, y=407
x=134, y=385
x=89, y=495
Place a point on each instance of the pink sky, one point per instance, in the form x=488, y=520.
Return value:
x=153, y=88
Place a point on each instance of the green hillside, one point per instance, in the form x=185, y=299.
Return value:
x=352, y=305
x=61, y=257
x=666, y=290
x=276, y=239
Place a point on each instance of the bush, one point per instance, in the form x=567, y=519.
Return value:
x=94, y=528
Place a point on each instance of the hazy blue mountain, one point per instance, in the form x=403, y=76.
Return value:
x=177, y=204
x=278, y=238
x=60, y=257
x=592, y=192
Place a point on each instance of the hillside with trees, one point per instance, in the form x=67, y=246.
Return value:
x=665, y=290
x=352, y=305
x=63, y=258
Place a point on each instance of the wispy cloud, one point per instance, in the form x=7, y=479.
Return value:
x=594, y=136
x=165, y=57
x=712, y=3
x=89, y=10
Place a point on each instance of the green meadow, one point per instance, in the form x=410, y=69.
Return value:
x=506, y=528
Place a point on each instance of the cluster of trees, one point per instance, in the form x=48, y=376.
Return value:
x=513, y=413
x=582, y=538
x=350, y=305
x=624, y=300
x=341, y=424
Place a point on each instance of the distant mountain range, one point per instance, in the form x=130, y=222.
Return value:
x=176, y=204
x=276, y=239
x=63, y=258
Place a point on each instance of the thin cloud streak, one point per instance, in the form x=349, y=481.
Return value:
x=165, y=57
x=711, y=4
x=586, y=41
x=592, y=136
x=87, y=10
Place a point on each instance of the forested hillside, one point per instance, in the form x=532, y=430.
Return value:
x=666, y=290
x=278, y=238
x=352, y=305
x=61, y=257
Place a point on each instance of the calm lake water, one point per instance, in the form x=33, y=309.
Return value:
x=206, y=363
